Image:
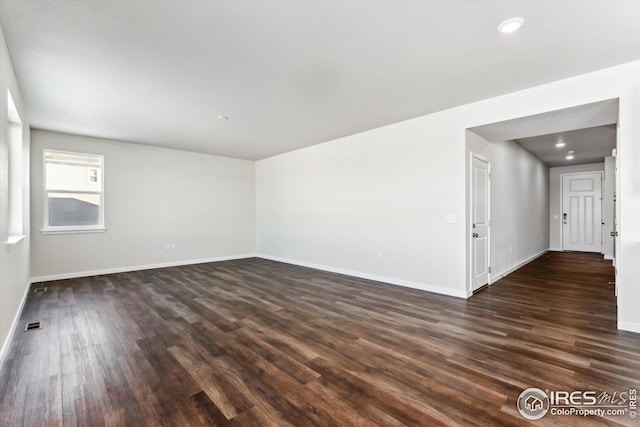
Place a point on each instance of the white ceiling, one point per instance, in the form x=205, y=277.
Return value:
x=289, y=74
x=589, y=130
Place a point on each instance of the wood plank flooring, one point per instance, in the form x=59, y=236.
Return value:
x=259, y=343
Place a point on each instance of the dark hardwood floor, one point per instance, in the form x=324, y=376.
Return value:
x=257, y=343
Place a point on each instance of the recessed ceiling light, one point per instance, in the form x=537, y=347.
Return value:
x=569, y=157
x=510, y=25
x=560, y=144
x=571, y=151
x=222, y=117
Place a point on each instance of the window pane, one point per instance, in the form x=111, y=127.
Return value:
x=69, y=209
x=15, y=168
x=73, y=177
x=73, y=187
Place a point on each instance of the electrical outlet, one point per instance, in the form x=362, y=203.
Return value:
x=167, y=246
x=450, y=219
x=277, y=242
x=173, y=246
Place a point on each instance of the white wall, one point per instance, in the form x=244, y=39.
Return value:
x=519, y=203
x=14, y=258
x=628, y=208
x=340, y=203
x=371, y=204
x=607, y=206
x=203, y=203
x=555, y=199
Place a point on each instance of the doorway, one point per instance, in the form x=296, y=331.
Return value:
x=529, y=155
x=582, y=212
x=480, y=221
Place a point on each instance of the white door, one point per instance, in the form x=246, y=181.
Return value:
x=582, y=212
x=479, y=223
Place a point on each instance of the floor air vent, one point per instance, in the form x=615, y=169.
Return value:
x=31, y=326
x=40, y=290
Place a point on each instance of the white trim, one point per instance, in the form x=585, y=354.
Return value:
x=629, y=326
x=74, y=275
x=14, y=239
x=609, y=257
x=72, y=230
x=5, y=346
x=555, y=250
x=374, y=277
x=517, y=266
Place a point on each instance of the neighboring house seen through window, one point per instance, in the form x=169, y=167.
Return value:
x=73, y=192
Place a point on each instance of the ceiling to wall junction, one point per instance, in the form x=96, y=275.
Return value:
x=289, y=74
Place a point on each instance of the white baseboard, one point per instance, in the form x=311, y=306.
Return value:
x=62, y=276
x=629, y=326
x=608, y=257
x=374, y=277
x=7, y=342
x=517, y=266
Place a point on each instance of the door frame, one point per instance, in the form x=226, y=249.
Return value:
x=616, y=214
x=473, y=155
x=562, y=175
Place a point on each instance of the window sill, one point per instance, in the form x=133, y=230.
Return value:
x=72, y=230
x=15, y=239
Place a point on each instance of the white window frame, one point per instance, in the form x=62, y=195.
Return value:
x=48, y=229
x=15, y=229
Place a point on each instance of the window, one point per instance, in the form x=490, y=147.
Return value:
x=73, y=192
x=16, y=230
